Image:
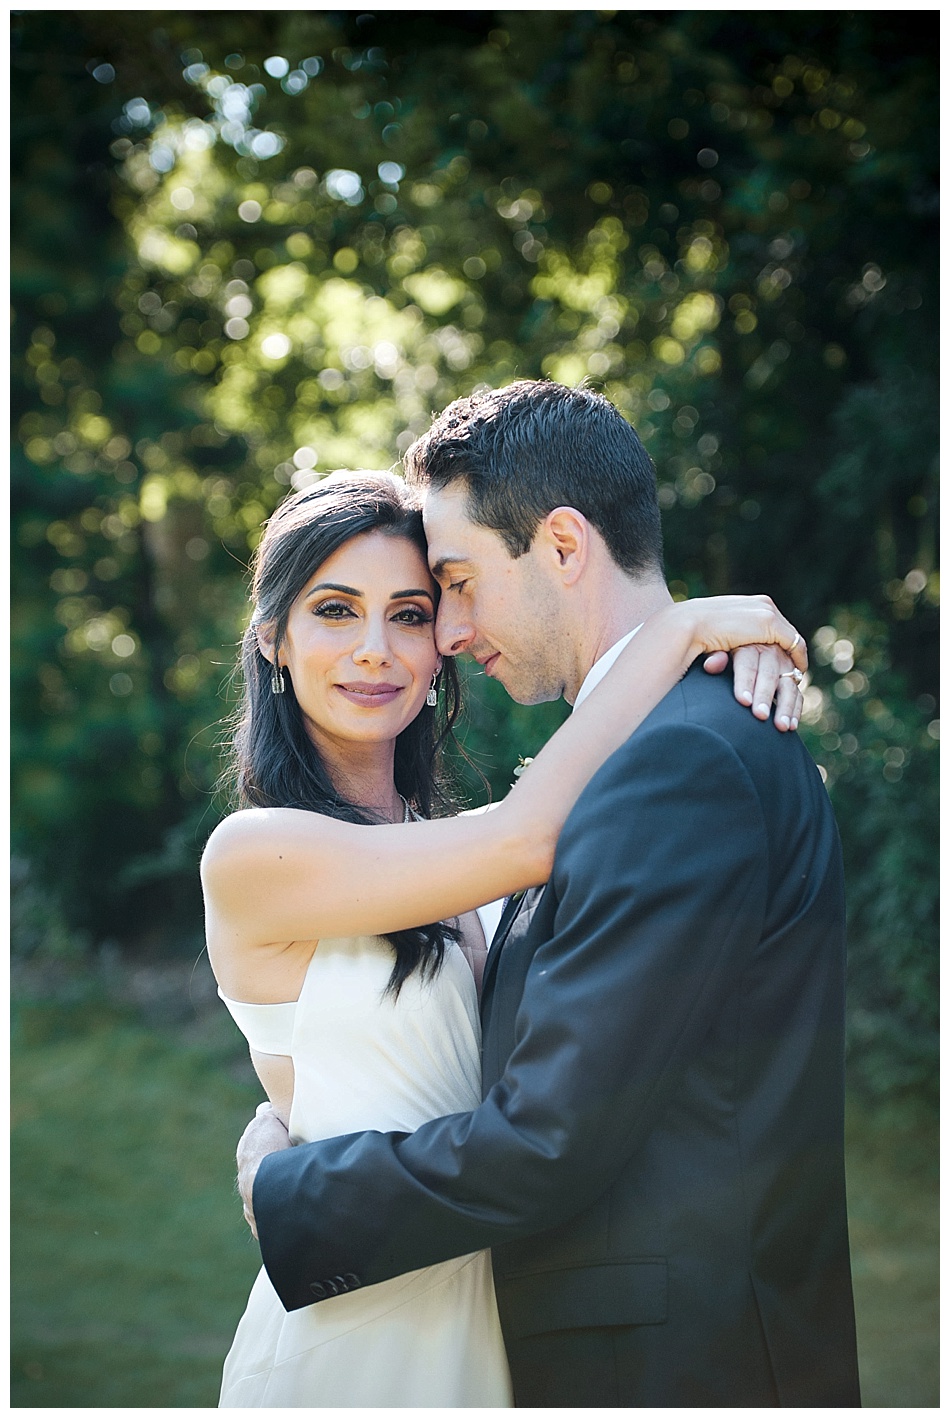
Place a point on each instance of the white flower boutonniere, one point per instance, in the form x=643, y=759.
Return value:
x=522, y=765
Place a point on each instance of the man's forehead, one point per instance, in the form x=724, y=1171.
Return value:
x=446, y=506
x=447, y=524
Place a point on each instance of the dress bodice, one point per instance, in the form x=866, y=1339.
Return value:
x=364, y=1058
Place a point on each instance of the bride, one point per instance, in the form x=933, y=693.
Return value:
x=358, y=1016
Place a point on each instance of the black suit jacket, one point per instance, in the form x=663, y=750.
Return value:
x=658, y=1161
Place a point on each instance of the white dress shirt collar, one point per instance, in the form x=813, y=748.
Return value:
x=600, y=667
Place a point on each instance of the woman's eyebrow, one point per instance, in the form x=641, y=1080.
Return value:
x=332, y=586
x=352, y=591
x=417, y=591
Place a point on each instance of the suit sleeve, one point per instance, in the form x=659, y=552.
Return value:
x=660, y=880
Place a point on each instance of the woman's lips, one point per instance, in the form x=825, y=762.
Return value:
x=371, y=696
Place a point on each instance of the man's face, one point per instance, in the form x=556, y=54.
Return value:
x=504, y=611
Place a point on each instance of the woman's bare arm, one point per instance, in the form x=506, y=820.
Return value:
x=276, y=876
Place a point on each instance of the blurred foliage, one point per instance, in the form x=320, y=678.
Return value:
x=252, y=247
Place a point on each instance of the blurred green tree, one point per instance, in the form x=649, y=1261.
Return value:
x=252, y=247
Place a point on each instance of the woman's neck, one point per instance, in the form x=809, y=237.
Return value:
x=364, y=775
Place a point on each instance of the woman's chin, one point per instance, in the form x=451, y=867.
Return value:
x=361, y=726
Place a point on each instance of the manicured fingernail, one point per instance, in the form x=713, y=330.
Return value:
x=794, y=723
x=762, y=710
x=745, y=696
x=784, y=720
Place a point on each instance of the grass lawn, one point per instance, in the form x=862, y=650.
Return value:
x=893, y=1204
x=131, y=1261
x=130, y=1258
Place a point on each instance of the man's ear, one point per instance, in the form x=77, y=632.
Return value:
x=568, y=534
x=265, y=632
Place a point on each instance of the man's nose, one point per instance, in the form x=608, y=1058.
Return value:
x=453, y=633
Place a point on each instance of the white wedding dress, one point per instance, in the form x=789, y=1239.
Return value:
x=362, y=1060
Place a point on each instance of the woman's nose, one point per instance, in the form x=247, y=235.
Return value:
x=374, y=645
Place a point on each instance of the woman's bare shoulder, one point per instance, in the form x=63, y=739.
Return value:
x=240, y=836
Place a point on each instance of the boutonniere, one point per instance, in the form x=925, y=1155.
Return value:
x=522, y=765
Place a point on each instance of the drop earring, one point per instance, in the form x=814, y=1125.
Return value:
x=277, y=685
x=432, y=697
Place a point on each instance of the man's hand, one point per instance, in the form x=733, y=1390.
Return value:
x=265, y=1133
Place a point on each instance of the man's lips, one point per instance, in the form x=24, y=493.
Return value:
x=374, y=695
x=489, y=664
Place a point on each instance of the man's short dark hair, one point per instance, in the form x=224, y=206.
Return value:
x=536, y=445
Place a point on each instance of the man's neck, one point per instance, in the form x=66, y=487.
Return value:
x=621, y=605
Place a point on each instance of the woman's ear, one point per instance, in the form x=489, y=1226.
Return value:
x=265, y=639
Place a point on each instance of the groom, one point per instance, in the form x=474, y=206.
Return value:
x=657, y=1163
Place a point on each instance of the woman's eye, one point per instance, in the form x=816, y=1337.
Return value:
x=413, y=615
x=333, y=610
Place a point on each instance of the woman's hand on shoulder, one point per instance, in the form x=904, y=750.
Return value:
x=769, y=656
x=761, y=675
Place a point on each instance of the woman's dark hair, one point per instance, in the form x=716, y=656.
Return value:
x=536, y=445
x=274, y=761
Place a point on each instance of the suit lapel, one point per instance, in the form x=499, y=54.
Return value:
x=508, y=917
x=512, y=907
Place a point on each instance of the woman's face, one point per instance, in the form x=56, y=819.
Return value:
x=359, y=645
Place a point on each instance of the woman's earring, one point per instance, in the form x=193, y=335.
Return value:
x=432, y=697
x=277, y=685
